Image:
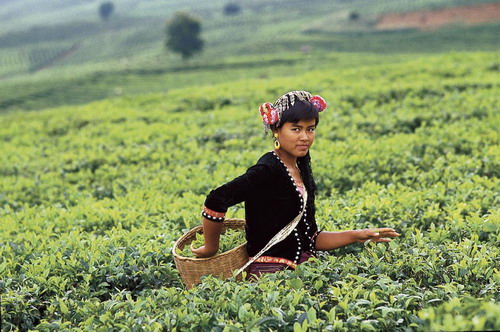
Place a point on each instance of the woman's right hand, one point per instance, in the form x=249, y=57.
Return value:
x=211, y=232
x=203, y=252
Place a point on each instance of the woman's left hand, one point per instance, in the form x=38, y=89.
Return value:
x=376, y=235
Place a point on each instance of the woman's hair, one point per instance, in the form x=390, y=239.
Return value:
x=304, y=164
x=301, y=110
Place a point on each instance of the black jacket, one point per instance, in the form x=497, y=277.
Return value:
x=271, y=202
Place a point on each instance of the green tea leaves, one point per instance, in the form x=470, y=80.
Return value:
x=93, y=197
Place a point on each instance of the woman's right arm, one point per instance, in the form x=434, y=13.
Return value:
x=220, y=199
x=211, y=232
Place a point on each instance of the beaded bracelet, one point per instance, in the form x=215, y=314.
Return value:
x=213, y=215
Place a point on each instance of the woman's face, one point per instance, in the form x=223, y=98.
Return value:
x=296, y=138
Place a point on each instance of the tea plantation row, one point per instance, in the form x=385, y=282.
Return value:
x=92, y=198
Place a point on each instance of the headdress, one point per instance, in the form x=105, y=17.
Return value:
x=272, y=114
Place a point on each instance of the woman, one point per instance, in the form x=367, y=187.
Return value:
x=278, y=189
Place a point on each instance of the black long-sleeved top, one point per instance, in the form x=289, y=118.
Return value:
x=272, y=201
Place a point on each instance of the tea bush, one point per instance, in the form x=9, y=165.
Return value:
x=93, y=197
x=229, y=239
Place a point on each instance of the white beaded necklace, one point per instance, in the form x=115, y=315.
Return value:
x=304, y=218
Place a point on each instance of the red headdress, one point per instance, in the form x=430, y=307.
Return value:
x=272, y=114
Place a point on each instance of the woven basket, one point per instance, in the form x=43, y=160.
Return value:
x=221, y=265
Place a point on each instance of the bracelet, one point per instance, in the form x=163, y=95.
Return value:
x=213, y=215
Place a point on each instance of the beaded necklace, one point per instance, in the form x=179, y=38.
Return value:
x=304, y=217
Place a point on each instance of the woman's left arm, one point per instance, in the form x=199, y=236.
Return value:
x=333, y=240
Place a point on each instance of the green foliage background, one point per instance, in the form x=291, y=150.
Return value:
x=93, y=196
x=109, y=146
x=61, y=53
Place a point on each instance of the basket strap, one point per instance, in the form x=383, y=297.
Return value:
x=280, y=236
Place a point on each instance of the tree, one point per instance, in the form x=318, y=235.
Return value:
x=232, y=9
x=183, y=35
x=105, y=10
x=353, y=16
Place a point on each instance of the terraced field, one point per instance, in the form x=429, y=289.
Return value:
x=93, y=196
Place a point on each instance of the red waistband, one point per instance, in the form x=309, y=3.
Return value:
x=275, y=260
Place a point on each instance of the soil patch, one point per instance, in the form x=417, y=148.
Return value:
x=432, y=19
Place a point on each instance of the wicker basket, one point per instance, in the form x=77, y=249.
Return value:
x=222, y=265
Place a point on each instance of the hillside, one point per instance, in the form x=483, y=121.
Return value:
x=61, y=53
x=134, y=35
x=92, y=198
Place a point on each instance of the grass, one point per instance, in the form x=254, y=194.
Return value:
x=137, y=29
x=126, y=55
x=99, y=85
x=77, y=84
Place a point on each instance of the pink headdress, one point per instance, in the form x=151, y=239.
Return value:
x=272, y=114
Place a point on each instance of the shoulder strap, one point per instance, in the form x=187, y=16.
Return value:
x=280, y=236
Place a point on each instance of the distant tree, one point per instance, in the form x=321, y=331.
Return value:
x=183, y=32
x=232, y=9
x=105, y=10
x=353, y=16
